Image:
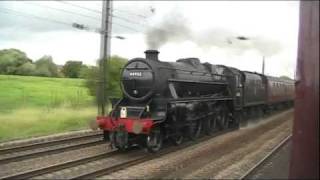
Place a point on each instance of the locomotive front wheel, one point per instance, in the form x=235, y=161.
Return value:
x=154, y=140
x=119, y=140
x=194, y=129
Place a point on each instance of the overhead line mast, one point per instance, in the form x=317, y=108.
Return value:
x=106, y=26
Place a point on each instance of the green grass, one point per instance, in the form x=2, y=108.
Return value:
x=29, y=122
x=26, y=91
x=32, y=106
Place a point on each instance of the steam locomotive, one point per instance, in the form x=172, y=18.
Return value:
x=182, y=99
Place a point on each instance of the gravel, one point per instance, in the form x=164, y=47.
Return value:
x=233, y=165
x=277, y=167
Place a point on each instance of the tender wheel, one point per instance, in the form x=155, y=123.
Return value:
x=210, y=125
x=194, y=129
x=154, y=140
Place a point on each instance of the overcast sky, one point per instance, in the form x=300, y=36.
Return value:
x=206, y=30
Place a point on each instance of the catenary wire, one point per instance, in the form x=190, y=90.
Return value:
x=75, y=5
x=99, y=12
x=65, y=11
x=128, y=20
x=139, y=15
x=83, y=15
x=115, y=16
x=8, y=11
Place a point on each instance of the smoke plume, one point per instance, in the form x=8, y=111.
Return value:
x=174, y=27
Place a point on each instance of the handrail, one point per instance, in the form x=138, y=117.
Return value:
x=211, y=74
x=199, y=82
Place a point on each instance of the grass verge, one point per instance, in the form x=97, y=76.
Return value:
x=27, y=91
x=30, y=122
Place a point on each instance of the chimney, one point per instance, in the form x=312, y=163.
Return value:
x=152, y=55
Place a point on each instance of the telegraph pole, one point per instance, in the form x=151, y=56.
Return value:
x=104, y=55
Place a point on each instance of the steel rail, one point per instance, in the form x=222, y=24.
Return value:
x=267, y=157
x=54, y=150
x=48, y=143
x=56, y=167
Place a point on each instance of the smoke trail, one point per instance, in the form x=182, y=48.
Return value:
x=174, y=28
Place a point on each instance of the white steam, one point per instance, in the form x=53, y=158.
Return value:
x=174, y=27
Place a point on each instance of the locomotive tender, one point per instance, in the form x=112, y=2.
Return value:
x=173, y=100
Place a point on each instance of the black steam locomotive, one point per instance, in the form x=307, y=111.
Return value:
x=173, y=100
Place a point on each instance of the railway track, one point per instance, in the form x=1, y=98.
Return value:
x=101, y=164
x=146, y=157
x=22, y=152
x=132, y=160
x=89, y=167
x=263, y=161
x=56, y=167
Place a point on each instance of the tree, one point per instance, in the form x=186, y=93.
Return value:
x=46, y=67
x=114, y=66
x=27, y=69
x=11, y=60
x=72, y=69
